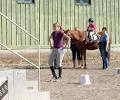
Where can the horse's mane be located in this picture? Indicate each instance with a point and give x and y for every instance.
(75, 34)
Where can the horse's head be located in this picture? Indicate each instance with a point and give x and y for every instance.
(67, 32)
(100, 33)
(110, 38)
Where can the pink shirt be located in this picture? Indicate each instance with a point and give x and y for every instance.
(91, 27)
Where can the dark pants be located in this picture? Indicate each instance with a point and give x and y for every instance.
(104, 54)
(75, 53)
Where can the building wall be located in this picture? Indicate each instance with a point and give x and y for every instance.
(38, 18)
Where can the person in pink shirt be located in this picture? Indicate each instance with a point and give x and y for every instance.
(92, 26)
(91, 31)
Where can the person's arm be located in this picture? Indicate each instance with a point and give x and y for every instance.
(107, 43)
(51, 41)
(66, 40)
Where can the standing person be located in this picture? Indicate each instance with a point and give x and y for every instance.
(57, 45)
(104, 48)
(75, 51)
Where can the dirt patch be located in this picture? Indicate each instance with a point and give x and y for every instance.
(8, 59)
(105, 86)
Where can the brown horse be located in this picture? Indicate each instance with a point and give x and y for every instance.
(79, 37)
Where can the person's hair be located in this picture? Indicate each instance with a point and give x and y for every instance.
(104, 28)
(57, 25)
(76, 28)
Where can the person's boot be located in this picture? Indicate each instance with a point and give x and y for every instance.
(74, 64)
(89, 36)
(53, 72)
(60, 72)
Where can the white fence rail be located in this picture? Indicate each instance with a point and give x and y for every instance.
(37, 40)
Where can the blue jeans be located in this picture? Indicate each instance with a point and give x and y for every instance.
(104, 55)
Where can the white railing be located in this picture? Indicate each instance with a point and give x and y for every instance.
(37, 40)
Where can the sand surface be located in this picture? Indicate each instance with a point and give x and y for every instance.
(105, 86)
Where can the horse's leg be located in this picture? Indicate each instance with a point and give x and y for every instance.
(79, 61)
(85, 60)
(82, 60)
